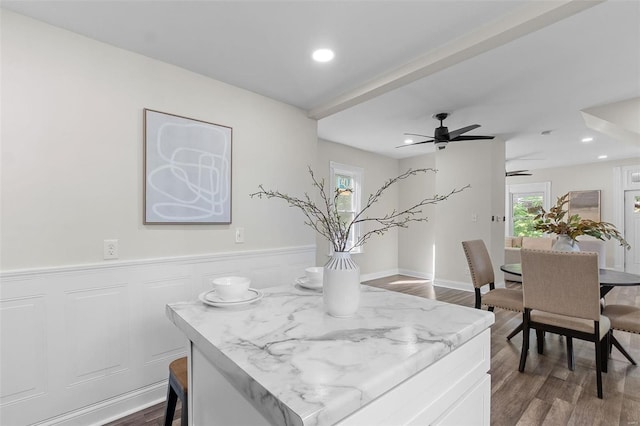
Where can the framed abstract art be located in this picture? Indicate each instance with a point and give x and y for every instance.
(187, 170)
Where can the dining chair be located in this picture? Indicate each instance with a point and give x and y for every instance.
(562, 295)
(178, 388)
(623, 318)
(481, 270)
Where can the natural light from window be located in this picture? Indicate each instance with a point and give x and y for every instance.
(520, 199)
(347, 181)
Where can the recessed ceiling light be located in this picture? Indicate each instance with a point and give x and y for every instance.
(588, 139)
(408, 141)
(323, 55)
(601, 157)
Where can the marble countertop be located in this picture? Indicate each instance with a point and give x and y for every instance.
(301, 366)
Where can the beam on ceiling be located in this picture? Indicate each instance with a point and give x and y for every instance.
(531, 17)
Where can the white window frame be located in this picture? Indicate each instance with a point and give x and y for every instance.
(357, 174)
(524, 188)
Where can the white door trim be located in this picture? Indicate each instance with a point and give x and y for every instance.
(622, 181)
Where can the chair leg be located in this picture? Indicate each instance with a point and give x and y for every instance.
(617, 344)
(170, 408)
(604, 348)
(599, 368)
(525, 347)
(540, 340)
(611, 341)
(517, 330)
(571, 361)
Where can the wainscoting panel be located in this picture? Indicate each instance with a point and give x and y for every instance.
(160, 338)
(96, 332)
(88, 344)
(23, 348)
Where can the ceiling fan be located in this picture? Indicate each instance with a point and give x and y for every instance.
(442, 136)
(518, 173)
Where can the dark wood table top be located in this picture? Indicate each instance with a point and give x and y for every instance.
(608, 277)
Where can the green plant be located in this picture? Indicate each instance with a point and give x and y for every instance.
(523, 223)
(325, 219)
(558, 221)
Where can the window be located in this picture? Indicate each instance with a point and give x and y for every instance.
(520, 199)
(348, 181)
(521, 217)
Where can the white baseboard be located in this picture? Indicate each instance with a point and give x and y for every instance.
(376, 275)
(416, 274)
(112, 409)
(456, 285)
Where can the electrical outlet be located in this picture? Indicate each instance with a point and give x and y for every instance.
(239, 235)
(110, 249)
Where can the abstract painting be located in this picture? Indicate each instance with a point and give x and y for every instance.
(187, 170)
(586, 204)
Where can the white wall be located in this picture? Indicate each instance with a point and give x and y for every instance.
(84, 339)
(467, 216)
(380, 256)
(434, 249)
(72, 152)
(593, 176)
(416, 243)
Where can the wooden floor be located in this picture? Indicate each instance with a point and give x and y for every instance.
(547, 393)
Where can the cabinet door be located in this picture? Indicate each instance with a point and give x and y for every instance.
(473, 408)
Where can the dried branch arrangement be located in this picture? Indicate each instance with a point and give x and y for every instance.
(558, 221)
(325, 219)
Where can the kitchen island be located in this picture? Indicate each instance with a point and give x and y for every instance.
(283, 361)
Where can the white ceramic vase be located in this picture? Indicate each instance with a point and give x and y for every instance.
(565, 243)
(341, 286)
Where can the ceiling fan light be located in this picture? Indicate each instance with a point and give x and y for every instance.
(440, 144)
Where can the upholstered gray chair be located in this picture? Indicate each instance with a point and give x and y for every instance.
(623, 318)
(562, 296)
(481, 270)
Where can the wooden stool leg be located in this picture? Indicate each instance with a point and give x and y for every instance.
(185, 411)
(170, 409)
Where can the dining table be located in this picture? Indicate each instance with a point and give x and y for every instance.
(609, 278)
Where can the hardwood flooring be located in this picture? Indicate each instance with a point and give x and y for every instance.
(547, 393)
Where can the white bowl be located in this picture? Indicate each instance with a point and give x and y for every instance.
(231, 288)
(314, 274)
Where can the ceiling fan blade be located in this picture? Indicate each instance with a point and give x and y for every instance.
(518, 173)
(415, 143)
(470, 138)
(458, 132)
(416, 134)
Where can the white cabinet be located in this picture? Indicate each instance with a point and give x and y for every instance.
(455, 390)
(283, 361)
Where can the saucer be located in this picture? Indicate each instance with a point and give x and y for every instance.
(211, 298)
(304, 282)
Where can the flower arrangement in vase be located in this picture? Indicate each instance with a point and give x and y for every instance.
(323, 217)
(558, 221)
